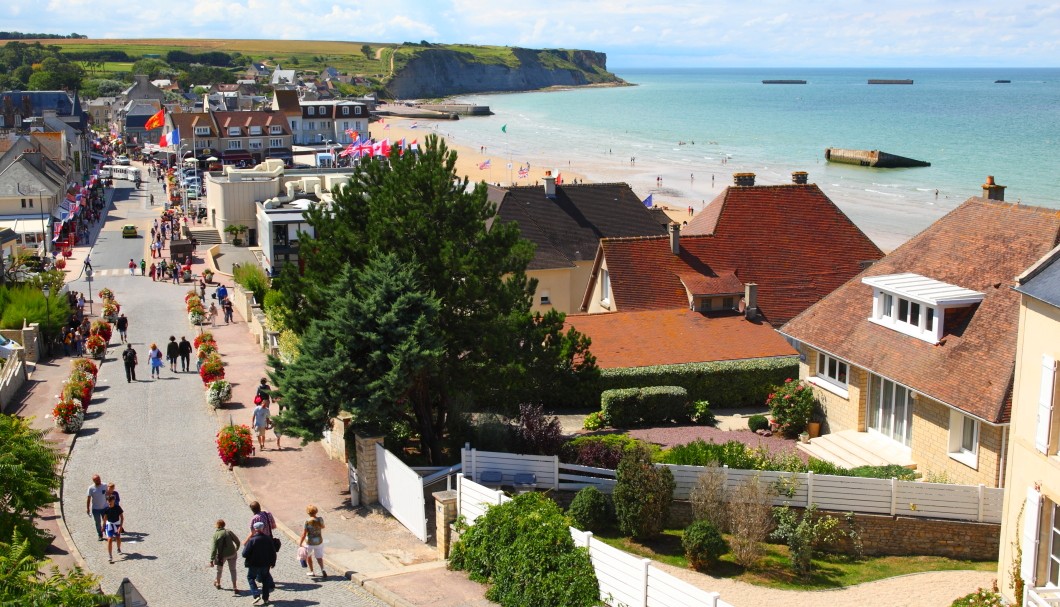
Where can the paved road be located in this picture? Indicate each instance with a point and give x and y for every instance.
(155, 440)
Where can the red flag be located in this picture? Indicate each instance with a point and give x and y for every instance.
(156, 121)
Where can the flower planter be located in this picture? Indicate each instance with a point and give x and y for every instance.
(218, 393)
(69, 415)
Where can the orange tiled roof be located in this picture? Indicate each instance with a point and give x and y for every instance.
(669, 337)
(699, 284)
(789, 239)
(981, 245)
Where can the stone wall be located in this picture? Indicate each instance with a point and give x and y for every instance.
(931, 446)
(12, 376)
(334, 442)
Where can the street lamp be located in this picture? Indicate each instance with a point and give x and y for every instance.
(47, 318)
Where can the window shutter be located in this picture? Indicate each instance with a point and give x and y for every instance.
(1031, 520)
(1045, 404)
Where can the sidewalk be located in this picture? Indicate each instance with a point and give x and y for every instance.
(365, 544)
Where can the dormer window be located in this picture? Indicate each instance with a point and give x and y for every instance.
(233, 131)
(276, 130)
(255, 130)
(917, 305)
(202, 130)
(311, 111)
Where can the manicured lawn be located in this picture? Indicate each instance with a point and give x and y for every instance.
(833, 571)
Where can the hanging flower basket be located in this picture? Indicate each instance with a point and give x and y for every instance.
(218, 393)
(85, 366)
(212, 369)
(103, 329)
(234, 444)
(96, 345)
(106, 294)
(69, 416)
(206, 337)
(196, 317)
(60, 264)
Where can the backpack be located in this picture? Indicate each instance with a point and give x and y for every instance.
(128, 356)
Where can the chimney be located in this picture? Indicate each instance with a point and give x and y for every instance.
(675, 238)
(992, 190)
(799, 177)
(550, 185)
(750, 300)
(744, 179)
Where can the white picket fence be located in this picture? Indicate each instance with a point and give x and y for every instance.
(842, 493)
(623, 578)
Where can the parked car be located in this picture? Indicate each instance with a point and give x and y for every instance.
(7, 347)
(122, 160)
(128, 231)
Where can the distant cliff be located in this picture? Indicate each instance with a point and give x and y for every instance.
(441, 71)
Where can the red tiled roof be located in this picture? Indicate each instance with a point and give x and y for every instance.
(981, 245)
(669, 337)
(698, 284)
(791, 240)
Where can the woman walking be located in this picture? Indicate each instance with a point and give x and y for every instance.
(225, 550)
(212, 314)
(172, 353)
(114, 521)
(154, 357)
(313, 539)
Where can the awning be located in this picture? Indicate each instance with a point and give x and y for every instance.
(280, 153)
(30, 224)
(236, 155)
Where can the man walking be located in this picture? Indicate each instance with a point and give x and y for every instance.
(260, 556)
(123, 326)
(184, 349)
(260, 421)
(172, 353)
(129, 357)
(96, 502)
(226, 306)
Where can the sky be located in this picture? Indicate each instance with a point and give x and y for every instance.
(670, 33)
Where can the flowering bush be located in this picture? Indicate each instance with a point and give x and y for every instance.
(110, 308)
(189, 295)
(96, 345)
(218, 392)
(212, 369)
(85, 366)
(196, 317)
(791, 406)
(234, 443)
(106, 294)
(193, 302)
(60, 264)
(206, 337)
(78, 387)
(69, 415)
(103, 329)
(206, 349)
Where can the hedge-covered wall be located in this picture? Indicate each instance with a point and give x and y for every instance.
(724, 384)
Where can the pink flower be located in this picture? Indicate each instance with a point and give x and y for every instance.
(787, 381)
(798, 388)
(787, 397)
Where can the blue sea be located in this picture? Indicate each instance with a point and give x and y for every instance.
(959, 120)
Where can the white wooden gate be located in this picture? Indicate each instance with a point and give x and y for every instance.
(401, 492)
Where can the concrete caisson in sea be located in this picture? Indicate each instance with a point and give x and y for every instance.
(871, 158)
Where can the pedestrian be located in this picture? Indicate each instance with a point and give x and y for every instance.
(79, 343)
(88, 262)
(154, 358)
(123, 326)
(113, 491)
(212, 314)
(222, 293)
(152, 272)
(172, 353)
(184, 348)
(96, 503)
(132, 268)
(202, 287)
(313, 539)
(225, 549)
(130, 360)
(176, 273)
(259, 556)
(113, 523)
(143, 266)
(264, 392)
(261, 421)
(228, 309)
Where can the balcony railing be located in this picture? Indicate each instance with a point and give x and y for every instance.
(1043, 597)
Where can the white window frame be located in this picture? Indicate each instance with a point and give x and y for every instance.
(275, 143)
(546, 298)
(964, 429)
(235, 144)
(886, 311)
(357, 110)
(276, 130)
(1052, 569)
(877, 407)
(255, 130)
(233, 131)
(1043, 436)
(605, 289)
(345, 110)
(311, 111)
(255, 144)
(202, 130)
(824, 380)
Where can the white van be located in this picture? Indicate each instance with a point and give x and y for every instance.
(120, 172)
(104, 172)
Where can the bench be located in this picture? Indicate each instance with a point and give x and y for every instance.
(525, 482)
(491, 478)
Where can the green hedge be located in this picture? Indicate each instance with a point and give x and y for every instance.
(630, 407)
(725, 384)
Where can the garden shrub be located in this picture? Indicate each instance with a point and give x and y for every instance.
(735, 454)
(708, 498)
(805, 534)
(538, 434)
(493, 433)
(703, 545)
(726, 384)
(642, 495)
(980, 598)
(750, 511)
(599, 451)
(702, 415)
(791, 406)
(252, 278)
(595, 421)
(524, 550)
(758, 422)
(632, 407)
(591, 510)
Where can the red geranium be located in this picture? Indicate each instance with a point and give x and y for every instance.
(212, 369)
(234, 443)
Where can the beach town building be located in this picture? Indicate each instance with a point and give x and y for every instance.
(565, 222)
(1031, 517)
(331, 122)
(142, 89)
(33, 180)
(19, 107)
(247, 137)
(101, 111)
(773, 249)
(912, 361)
(133, 117)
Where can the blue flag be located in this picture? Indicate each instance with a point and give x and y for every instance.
(647, 201)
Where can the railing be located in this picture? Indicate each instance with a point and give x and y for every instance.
(1043, 597)
(843, 493)
(623, 578)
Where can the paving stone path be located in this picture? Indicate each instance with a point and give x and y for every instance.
(155, 440)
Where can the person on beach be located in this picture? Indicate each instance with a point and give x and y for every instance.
(96, 503)
(184, 348)
(259, 554)
(261, 421)
(113, 523)
(129, 358)
(122, 325)
(313, 539)
(154, 358)
(225, 549)
(172, 353)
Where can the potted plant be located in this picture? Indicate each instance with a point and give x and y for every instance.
(202, 338)
(103, 329)
(790, 407)
(218, 392)
(206, 348)
(236, 230)
(212, 369)
(69, 415)
(60, 264)
(96, 345)
(207, 275)
(110, 310)
(85, 366)
(106, 294)
(234, 444)
(78, 388)
(804, 437)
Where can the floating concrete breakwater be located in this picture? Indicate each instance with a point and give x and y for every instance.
(871, 158)
(783, 82)
(888, 81)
